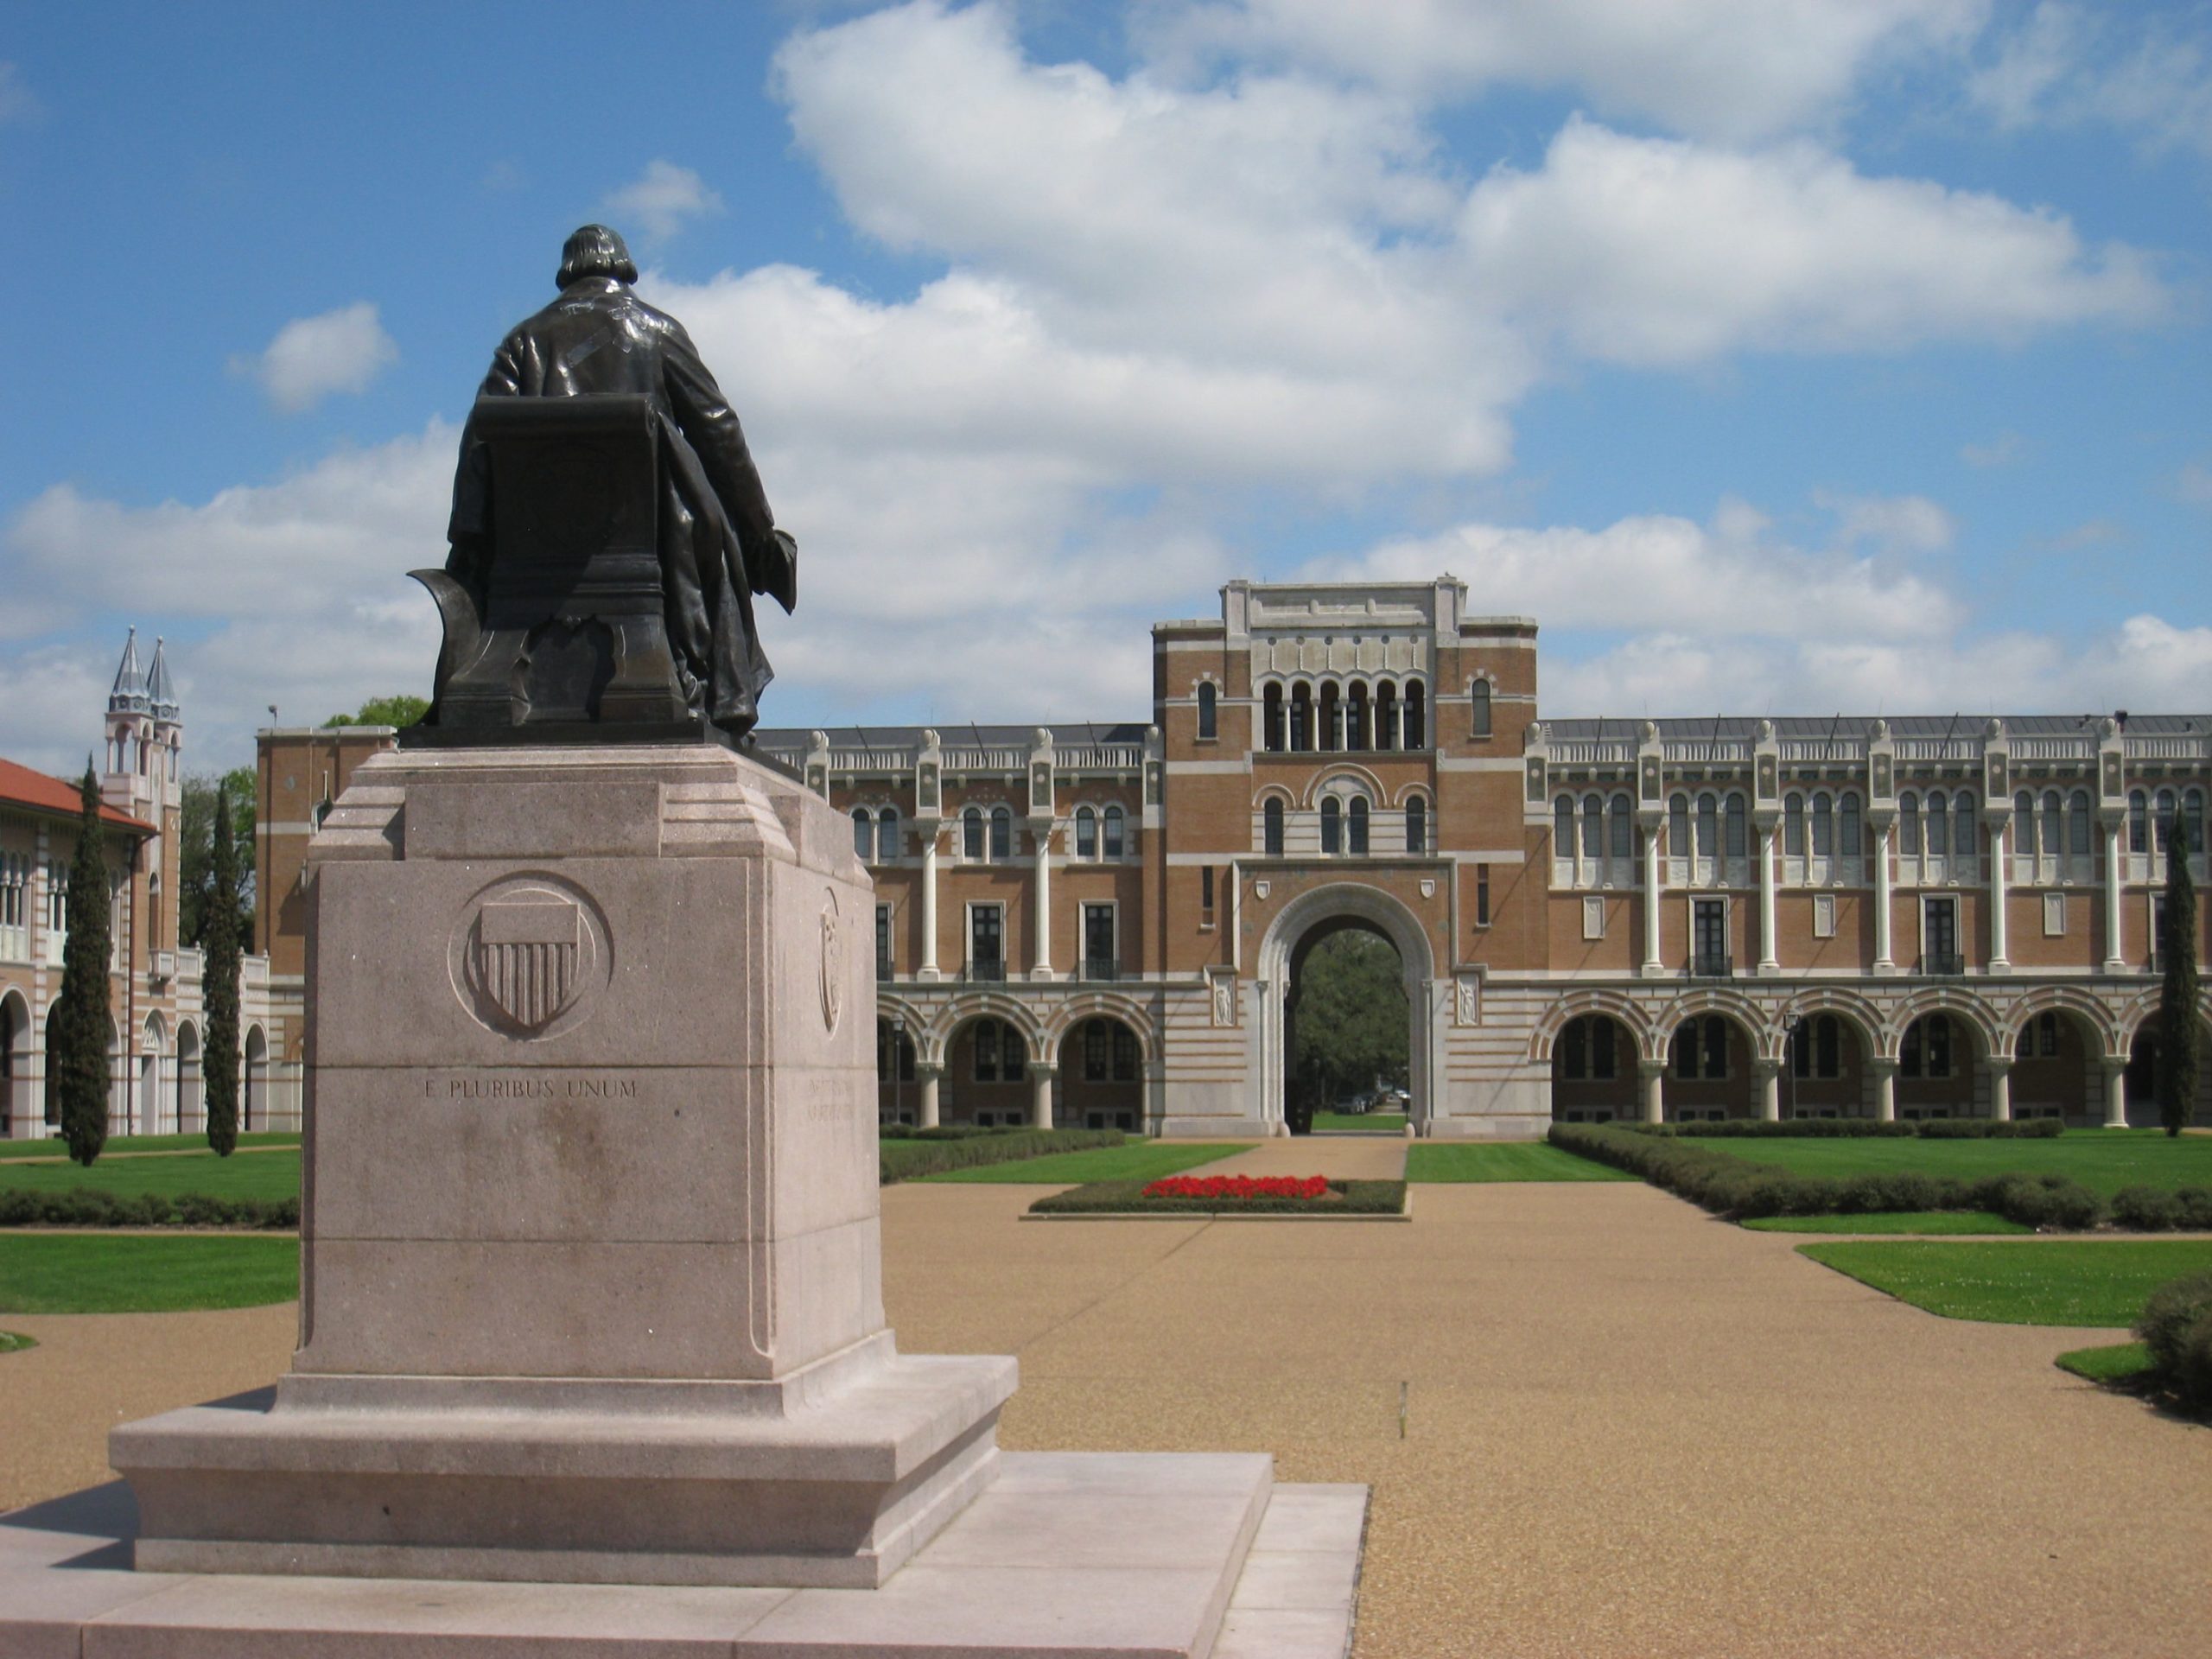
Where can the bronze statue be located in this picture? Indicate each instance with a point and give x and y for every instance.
(608, 532)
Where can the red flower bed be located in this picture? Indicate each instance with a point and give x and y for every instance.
(1239, 1186)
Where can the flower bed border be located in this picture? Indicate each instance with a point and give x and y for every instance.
(1125, 1201)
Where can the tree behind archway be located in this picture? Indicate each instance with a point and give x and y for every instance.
(1352, 1022)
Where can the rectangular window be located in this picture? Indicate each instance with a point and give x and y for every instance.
(1715, 1047)
(2158, 929)
(1205, 894)
(1099, 956)
(987, 1050)
(986, 939)
(1939, 936)
(1709, 936)
(1482, 895)
(1824, 915)
(1593, 919)
(883, 941)
(1125, 1054)
(2054, 915)
(1094, 1051)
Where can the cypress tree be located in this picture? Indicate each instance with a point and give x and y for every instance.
(77, 1052)
(219, 985)
(2180, 1031)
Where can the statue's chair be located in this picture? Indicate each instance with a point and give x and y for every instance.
(572, 635)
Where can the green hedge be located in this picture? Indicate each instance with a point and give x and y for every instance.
(1126, 1197)
(2162, 1209)
(2175, 1325)
(1857, 1128)
(932, 1152)
(1741, 1190)
(93, 1206)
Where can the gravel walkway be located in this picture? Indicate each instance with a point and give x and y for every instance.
(1633, 1430)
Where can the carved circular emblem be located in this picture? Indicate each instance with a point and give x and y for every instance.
(833, 964)
(530, 956)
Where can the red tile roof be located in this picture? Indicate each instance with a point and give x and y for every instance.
(21, 786)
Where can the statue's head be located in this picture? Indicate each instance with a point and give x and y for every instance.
(594, 251)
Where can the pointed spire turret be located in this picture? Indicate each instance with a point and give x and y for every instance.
(159, 691)
(128, 694)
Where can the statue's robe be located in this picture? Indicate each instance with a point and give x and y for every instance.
(719, 544)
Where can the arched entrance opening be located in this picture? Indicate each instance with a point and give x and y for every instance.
(1937, 1062)
(153, 1041)
(898, 1094)
(1593, 1070)
(254, 1113)
(987, 1081)
(2143, 1077)
(1102, 1076)
(1709, 1073)
(2055, 1070)
(190, 1084)
(1307, 924)
(15, 1064)
(119, 1080)
(1825, 1073)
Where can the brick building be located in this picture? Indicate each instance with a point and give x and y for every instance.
(1105, 924)
(156, 1019)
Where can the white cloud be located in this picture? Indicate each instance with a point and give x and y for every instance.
(2006, 449)
(1723, 68)
(662, 198)
(19, 105)
(1890, 524)
(1654, 251)
(2066, 66)
(313, 357)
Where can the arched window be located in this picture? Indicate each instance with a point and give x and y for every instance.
(1386, 715)
(2139, 821)
(1593, 828)
(887, 835)
(2024, 825)
(1416, 824)
(2054, 824)
(2077, 828)
(1301, 717)
(1271, 719)
(1113, 837)
(863, 834)
(2162, 813)
(1737, 842)
(1358, 827)
(1574, 1051)
(1709, 826)
(1563, 827)
(1086, 833)
(1332, 716)
(1847, 812)
(1333, 826)
(1965, 838)
(1416, 715)
(1623, 822)
(1479, 702)
(1908, 823)
(971, 832)
(1271, 827)
(2192, 816)
(1206, 694)
(1356, 735)
(1678, 826)
(1823, 826)
(1793, 826)
(1002, 832)
(1938, 827)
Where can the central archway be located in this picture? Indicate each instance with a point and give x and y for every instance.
(1302, 924)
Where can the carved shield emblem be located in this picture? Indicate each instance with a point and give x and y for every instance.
(833, 964)
(529, 954)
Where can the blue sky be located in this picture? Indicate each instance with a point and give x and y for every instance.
(1799, 355)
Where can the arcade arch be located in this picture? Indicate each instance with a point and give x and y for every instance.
(15, 1064)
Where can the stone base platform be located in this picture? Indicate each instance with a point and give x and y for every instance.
(1105, 1555)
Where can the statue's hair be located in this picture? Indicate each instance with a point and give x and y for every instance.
(594, 251)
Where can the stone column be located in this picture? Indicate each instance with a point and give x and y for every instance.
(1040, 1095)
(1770, 1076)
(2115, 1092)
(926, 1118)
(1652, 1075)
(928, 970)
(1884, 961)
(1769, 963)
(1886, 1090)
(2115, 958)
(1041, 831)
(1652, 889)
(2000, 1087)
(1997, 964)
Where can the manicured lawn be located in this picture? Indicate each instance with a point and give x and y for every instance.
(195, 1142)
(2104, 1161)
(266, 1175)
(2119, 1362)
(1135, 1160)
(133, 1273)
(1905, 1221)
(1511, 1160)
(2033, 1282)
(1362, 1122)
